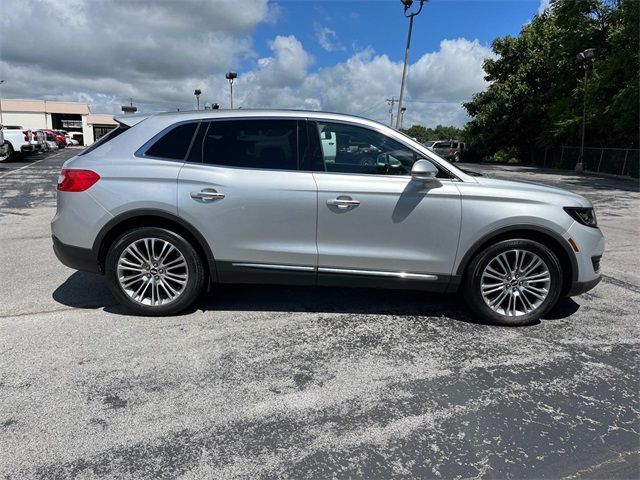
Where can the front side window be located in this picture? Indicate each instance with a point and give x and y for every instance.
(262, 144)
(173, 144)
(353, 149)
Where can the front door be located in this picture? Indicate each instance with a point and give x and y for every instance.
(374, 221)
(241, 187)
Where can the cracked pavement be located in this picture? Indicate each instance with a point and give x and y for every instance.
(282, 382)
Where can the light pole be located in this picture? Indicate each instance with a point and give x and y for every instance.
(197, 93)
(586, 58)
(402, 110)
(231, 76)
(407, 4)
(1, 82)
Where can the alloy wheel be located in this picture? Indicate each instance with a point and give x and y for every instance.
(515, 283)
(152, 271)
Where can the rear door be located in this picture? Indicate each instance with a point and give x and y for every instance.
(243, 189)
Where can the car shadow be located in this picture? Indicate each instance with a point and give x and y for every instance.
(89, 291)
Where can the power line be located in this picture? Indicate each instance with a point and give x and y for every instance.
(372, 107)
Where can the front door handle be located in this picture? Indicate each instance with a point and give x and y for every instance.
(343, 202)
(207, 194)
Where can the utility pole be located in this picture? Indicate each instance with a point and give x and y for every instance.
(407, 4)
(391, 101)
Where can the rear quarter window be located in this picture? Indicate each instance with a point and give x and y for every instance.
(104, 139)
(174, 144)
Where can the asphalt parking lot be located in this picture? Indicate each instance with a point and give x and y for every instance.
(277, 382)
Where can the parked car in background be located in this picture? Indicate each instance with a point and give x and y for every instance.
(251, 196)
(68, 138)
(18, 140)
(59, 138)
(453, 150)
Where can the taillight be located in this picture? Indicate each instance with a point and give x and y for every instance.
(74, 180)
(35, 136)
(25, 133)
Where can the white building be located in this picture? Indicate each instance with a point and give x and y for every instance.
(74, 117)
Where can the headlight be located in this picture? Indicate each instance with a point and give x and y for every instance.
(585, 216)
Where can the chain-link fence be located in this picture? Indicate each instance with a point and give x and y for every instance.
(616, 161)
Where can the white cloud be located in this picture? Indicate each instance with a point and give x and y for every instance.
(544, 5)
(451, 73)
(159, 52)
(437, 84)
(328, 39)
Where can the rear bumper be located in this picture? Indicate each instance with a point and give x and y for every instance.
(75, 257)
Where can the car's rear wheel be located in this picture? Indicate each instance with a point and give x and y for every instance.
(513, 282)
(154, 271)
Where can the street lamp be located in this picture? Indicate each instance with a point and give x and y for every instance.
(231, 76)
(407, 5)
(586, 58)
(402, 110)
(197, 92)
(1, 82)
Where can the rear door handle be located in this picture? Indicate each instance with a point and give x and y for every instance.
(343, 202)
(207, 195)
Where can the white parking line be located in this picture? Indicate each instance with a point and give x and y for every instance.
(27, 166)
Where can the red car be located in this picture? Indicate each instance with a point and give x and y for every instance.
(57, 137)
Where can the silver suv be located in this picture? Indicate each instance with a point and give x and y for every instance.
(167, 204)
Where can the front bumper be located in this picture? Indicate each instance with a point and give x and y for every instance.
(579, 288)
(590, 243)
(83, 259)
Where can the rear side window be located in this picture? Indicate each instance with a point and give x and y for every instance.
(263, 144)
(105, 138)
(174, 144)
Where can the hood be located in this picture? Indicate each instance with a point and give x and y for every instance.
(535, 191)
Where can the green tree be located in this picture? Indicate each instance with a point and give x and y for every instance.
(440, 132)
(536, 81)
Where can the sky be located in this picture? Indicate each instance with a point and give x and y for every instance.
(343, 56)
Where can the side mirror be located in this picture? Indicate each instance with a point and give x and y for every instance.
(423, 171)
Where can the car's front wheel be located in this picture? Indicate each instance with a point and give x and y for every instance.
(154, 271)
(513, 282)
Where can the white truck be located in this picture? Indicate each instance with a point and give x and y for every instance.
(16, 140)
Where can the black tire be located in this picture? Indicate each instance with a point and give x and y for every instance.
(456, 158)
(195, 271)
(10, 154)
(472, 283)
